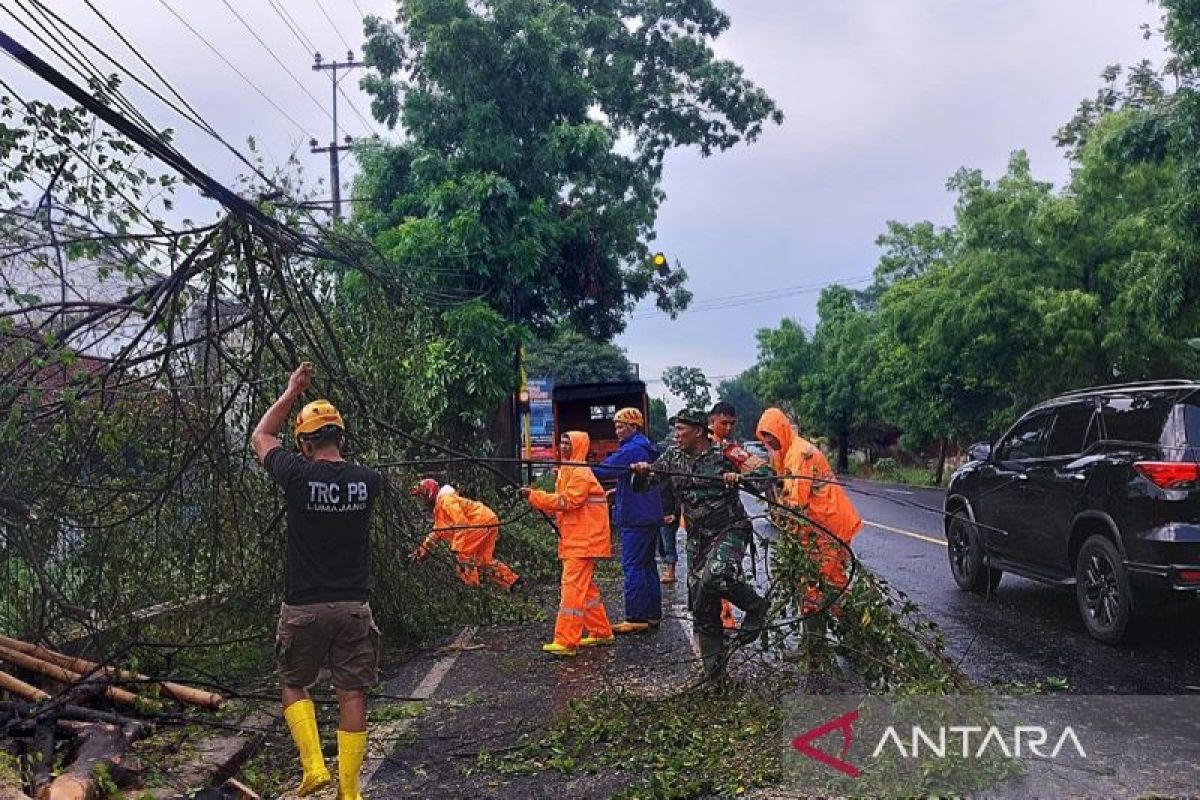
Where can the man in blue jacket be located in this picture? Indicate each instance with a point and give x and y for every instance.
(638, 516)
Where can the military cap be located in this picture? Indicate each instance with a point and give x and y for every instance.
(691, 416)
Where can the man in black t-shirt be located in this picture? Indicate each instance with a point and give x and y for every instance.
(325, 618)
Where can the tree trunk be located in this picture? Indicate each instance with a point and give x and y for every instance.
(843, 454)
(68, 677)
(184, 694)
(96, 743)
(20, 688)
(941, 465)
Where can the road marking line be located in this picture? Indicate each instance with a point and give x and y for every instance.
(903, 532)
(384, 735)
(898, 491)
(683, 617)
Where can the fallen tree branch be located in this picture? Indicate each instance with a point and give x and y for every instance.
(63, 675)
(69, 711)
(184, 694)
(20, 688)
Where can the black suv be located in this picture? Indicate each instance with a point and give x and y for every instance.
(1099, 489)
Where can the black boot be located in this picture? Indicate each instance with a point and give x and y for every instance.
(712, 654)
(756, 608)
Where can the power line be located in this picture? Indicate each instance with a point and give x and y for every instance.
(266, 226)
(141, 58)
(333, 25)
(190, 114)
(305, 43)
(195, 118)
(230, 64)
(70, 55)
(278, 61)
(359, 8)
(733, 301)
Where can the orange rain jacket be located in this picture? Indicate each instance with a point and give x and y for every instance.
(580, 504)
(462, 522)
(825, 503)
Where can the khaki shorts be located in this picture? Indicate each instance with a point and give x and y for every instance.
(342, 636)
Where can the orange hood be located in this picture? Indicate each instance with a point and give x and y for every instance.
(580, 442)
(776, 423)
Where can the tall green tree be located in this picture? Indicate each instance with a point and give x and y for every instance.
(690, 385)
(656, 426)
(570, 357)
(833, 396)
(740, 392)
(785, 356)
(535, 136)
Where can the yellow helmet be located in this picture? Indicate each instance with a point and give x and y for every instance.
(315, 416)
(630, 416)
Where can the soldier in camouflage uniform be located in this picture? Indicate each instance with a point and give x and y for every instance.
(705, 482)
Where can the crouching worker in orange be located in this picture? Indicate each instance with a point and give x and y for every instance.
(810, 486)
(582, 509)
(471, 528)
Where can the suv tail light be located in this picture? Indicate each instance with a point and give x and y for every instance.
(1170, 474)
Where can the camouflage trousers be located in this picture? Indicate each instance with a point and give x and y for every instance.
(715, 573)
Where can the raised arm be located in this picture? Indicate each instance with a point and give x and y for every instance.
(266, 434)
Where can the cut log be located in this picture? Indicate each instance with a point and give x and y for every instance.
(21, 689)
(39, 754)
(239, 790)
(96, 743)
(63, 675)
(68, 711)
(184, 694)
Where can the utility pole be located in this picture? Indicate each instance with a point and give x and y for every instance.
(334, 148)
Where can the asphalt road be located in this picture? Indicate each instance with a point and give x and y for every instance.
(1025, 632)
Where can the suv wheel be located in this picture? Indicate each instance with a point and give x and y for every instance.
(965, 549)
(1102, 590)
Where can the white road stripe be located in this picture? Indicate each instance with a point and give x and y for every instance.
(902, 532)
(898, 491)
(684, 618)
(384, 736)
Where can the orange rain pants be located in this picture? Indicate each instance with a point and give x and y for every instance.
(472, 529)
(580, 607)
(478, 561)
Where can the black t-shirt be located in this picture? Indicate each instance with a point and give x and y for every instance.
(328, 518)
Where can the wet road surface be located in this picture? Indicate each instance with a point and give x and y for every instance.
(1026, 632)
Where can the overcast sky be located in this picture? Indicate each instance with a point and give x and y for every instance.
(884, 99)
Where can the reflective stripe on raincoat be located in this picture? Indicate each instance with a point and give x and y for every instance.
(579, 502)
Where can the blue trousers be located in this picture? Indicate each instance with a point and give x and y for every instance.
(666, 544)
(643, 595)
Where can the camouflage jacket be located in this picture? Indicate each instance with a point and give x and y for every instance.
(709, 508)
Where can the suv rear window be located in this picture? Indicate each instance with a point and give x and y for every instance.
(1136, 419)
(1071, 425)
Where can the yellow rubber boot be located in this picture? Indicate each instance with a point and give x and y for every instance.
(352, 749)
(301, 717)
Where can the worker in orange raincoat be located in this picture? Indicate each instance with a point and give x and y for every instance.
(471, 528)
(579, 502)
(810, 486)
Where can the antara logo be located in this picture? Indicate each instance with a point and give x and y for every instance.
(1025, 739)
(968, 741)
(844, 723)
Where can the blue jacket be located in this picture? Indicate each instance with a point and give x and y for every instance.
(632, 509)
